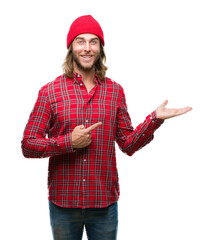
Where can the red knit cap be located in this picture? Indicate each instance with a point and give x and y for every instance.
(84, 24)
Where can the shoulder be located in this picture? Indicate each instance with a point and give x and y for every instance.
(54, 89)
(111, 84)
(54, 84)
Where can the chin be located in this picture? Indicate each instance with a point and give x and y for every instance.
(84, 66)
(87, 67)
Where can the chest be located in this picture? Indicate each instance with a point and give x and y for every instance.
(76, 105)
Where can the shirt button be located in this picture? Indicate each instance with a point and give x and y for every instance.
(78, 75)
(87, 121)
(84, 180)
(81, 84)
(85, 160)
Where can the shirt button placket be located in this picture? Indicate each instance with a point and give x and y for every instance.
(84, 186)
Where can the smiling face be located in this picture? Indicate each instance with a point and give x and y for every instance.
(86, 52)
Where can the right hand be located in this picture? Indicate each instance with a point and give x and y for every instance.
(81, 136)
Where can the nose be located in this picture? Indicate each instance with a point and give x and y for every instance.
(87, 47)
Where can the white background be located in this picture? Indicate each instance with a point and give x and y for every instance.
(156, 50)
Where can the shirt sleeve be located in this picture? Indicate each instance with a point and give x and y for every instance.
(34, 142)
(129, 139)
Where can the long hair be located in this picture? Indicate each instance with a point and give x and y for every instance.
(100, 68)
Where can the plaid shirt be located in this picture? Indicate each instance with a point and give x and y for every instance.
(86, 177)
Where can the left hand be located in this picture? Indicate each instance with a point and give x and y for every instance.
(164, 113)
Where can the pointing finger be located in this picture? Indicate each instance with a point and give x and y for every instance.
(92, 127)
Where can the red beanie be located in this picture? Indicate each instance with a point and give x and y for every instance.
(84, 24)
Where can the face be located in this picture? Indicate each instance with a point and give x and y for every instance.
(86, 51)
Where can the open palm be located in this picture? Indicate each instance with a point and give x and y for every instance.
(164, 113)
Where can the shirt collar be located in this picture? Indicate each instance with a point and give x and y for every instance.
(77, 78)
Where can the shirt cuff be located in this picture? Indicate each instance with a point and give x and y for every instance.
(152, 123)
(65, 143)
(154, 118)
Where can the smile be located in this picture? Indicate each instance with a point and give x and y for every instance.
(87, 56)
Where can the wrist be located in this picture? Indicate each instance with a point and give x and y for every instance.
(157, 115)
(72, 143)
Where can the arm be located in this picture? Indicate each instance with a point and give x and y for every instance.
(130, 140)
(34, 143)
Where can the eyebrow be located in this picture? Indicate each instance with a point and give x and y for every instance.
(81, 38)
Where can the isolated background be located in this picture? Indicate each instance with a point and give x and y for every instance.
(157, 50)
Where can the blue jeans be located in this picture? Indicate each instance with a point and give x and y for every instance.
(68, 223)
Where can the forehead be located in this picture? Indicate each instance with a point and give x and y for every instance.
(87, 36)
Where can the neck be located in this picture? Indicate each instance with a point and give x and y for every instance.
(87, 76)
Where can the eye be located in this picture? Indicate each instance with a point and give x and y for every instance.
(94, 42)
(80, 42)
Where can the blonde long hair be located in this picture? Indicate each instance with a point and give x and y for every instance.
(100, 68)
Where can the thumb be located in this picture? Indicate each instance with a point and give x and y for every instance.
(81, 127)
(164, 103)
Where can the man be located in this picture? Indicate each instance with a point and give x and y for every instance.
(84, 113)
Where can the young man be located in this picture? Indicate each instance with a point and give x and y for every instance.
(84, 113)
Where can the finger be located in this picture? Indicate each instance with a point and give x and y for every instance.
(88, 142)
(183, 110)
(88, 136)
(92, 127)
(164, 103)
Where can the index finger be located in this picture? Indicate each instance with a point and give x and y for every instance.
(92, 127)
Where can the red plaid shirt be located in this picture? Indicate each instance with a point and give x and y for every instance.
(86, 177)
